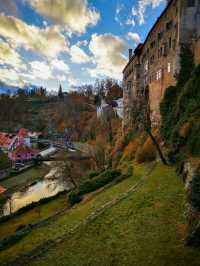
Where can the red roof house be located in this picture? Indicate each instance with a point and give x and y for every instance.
(22, 153)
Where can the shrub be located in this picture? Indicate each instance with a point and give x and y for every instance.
(180, 111)
(195, 190)
(4, 161)
(93, 174)
(74, 198)
(92, 185)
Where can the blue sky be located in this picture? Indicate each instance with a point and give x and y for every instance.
(74, 42)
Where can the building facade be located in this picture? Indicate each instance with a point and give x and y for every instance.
(154, 64)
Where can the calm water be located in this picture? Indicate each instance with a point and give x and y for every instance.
(51, 185)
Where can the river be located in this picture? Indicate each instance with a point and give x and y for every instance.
(53, 183)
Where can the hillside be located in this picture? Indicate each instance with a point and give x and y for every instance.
(144, 225)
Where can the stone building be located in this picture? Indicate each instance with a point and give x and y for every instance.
(153, 65)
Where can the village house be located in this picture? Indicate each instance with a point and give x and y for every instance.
(154, 64)
(18, 146)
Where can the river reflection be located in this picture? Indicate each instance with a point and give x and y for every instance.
(51, 185)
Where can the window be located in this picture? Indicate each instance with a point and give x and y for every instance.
(160, 35)
(146, 66)
(168, 67)
(190, 3)
(169, 25)
(170, 42)
(153, 44)
(159, 74)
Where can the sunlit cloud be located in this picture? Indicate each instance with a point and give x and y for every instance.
(107, 50)
(47, 41)
(74, 15)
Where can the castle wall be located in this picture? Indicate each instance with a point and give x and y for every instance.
(158, 63)
(160, 59)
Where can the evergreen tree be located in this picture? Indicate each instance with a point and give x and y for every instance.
(60, 92)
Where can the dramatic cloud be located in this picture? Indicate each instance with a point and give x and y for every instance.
(8, 56)
(135, 37)
(11, 77)
(60, 65)
(47, 41)
(78, 55)
(107, 51)
(142, 6)
(73, 82)
(75, 15)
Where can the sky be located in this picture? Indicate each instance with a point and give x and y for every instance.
(72, 42)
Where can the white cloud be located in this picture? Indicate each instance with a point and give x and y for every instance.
(118, 11)
(61, 78)
(141, 8)
(47, 41)
(107, 50)
(78, 55)
(60, 65)
(40, 70)
(73, 81)
(130, 21)
(75, 15)
(135, 37)
(10, 57)
(11, 77)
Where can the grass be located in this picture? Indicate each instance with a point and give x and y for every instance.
(31, 174)
(147, 228)
(69, 219)
(35, 215)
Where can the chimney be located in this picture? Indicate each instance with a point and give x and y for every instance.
(130, 53)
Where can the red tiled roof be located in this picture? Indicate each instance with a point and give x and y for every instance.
(23, 132)
(5, 139)
(2, 189)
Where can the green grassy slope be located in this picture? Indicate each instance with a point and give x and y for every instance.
(145, 228)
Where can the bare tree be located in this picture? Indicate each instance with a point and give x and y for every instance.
(141, 118)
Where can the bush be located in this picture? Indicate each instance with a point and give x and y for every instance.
(195, 190)
(4, 161)
(180, 111)
(92, 185)
(74, 198)
(93, 174)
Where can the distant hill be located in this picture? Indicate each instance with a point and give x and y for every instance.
(11, 90)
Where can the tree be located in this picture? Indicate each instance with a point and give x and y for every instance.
(60, 92)
(141, 118)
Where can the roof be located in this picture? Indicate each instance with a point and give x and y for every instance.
(23, 149)
(2, 189)
(155, 24)
(22, 132)
(5, 139)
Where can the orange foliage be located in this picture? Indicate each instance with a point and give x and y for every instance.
(147, 152)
